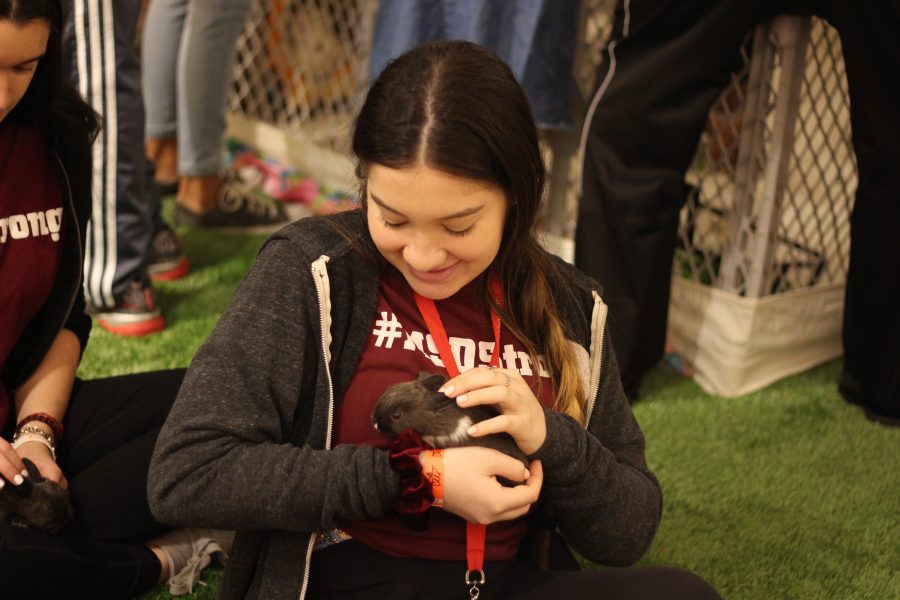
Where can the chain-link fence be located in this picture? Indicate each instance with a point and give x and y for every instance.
(300, 75)
(299, 63)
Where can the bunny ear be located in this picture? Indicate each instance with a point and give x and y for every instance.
(430, 382)
(34, 474)
(24, 488)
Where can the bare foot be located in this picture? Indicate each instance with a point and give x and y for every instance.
(163, 561)
(198, 194)
(164, 156)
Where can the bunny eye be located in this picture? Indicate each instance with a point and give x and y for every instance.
(396, 414)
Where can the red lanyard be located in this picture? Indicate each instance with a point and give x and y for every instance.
(436, 328)
(475, 533)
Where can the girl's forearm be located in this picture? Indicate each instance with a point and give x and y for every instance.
(48, 389)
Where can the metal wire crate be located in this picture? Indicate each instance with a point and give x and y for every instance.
(774, 177)
(758, 279)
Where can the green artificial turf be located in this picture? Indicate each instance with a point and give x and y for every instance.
(788, 492)
(785, 493)
(191, 306)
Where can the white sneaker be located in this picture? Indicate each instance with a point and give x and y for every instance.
(189, 551)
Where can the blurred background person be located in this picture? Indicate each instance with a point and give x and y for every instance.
(127, 241)
(188, 54)
(665, 65)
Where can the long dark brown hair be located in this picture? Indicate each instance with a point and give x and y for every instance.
(50, 102)
(456, 107)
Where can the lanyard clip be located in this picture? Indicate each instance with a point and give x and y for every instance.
(474, 578)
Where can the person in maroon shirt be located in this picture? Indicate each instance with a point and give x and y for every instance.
(441, 271)
(93, 438)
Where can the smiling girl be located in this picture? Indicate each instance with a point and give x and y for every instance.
(439, 271)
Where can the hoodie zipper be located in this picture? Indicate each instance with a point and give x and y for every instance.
(598, 333)
(323, 295)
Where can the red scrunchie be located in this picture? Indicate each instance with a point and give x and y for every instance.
(415, 491)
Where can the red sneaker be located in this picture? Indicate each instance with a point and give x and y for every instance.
(167, 260)
(137, 314)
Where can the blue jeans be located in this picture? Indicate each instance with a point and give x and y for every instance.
(536, 38)
(188, 53)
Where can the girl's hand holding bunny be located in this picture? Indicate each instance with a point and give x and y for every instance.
(472, 491)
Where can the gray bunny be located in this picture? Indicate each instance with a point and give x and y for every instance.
(438, 419)
(37, 503)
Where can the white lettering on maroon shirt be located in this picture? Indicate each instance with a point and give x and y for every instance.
(31, 225)
(468, 353)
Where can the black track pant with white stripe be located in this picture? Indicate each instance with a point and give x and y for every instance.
(99, 42)
(666, 64)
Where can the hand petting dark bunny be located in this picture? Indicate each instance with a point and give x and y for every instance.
(441, 422)
(37, 503)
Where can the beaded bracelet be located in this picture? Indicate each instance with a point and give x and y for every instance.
(46, 419)
(30, 433)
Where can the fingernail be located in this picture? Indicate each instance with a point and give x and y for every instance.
(2, 483)
(24, 472)
(18, 479)
(462, 399)
(471, 430)
(447, 389)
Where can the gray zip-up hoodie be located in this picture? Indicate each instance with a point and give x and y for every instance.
(248, 444)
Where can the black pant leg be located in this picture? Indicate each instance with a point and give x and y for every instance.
(111, 429)
(99, 49)
(377, 575)
(667, 63)
(870, 39)
(38, 565)
(658, 583)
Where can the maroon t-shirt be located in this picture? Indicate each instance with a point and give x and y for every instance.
(399, 347)
(31, 209)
